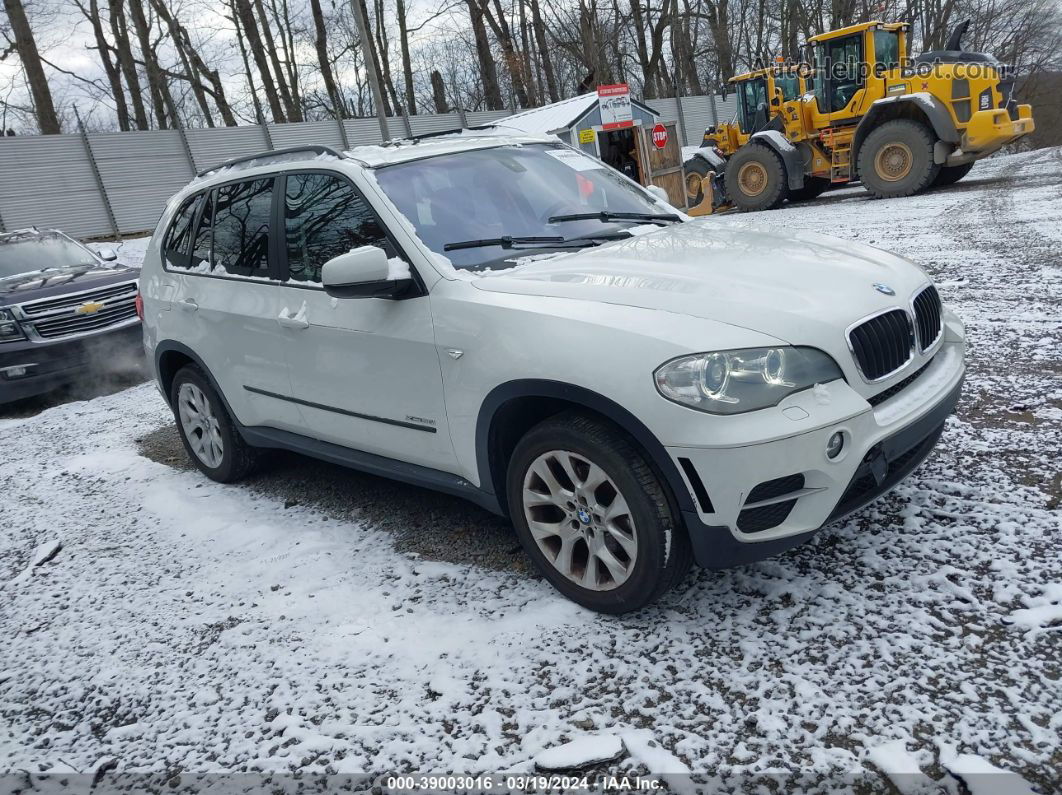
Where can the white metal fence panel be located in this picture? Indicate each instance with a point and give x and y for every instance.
(367, 131)
(726, 109)
(215, 145)
(481, 117)
(303, 133)
(440, 122)
(140, 171)
(47, 181)
(698, 114)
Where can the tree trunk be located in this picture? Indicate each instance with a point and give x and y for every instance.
(156, 80)
(504, 36)
(254, 42)
(321, 44)
(290, 112)
(124, 53)
(438, 90)
(110, 66)
(407, 64)
(488, 70)
(539, 28)
(26, 46)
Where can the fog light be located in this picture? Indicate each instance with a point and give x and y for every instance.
(16, 372)
(835, 445)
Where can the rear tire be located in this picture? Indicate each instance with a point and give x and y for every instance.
(597, 521)
(693, 171)
(813, 188)
(756, 179)
(896, 159)
(949, 175)
(207, 431)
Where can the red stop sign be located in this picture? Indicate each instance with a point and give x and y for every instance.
(660, 136)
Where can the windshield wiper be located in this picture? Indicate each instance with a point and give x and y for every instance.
(606, 216)
(505, 242)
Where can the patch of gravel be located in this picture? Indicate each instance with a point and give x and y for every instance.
(426, 523)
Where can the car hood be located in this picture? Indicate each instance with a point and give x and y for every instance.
(799, 287)
(56, 281)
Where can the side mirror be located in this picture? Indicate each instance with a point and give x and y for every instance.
(659, 193)
(107, 254)
(365, 273)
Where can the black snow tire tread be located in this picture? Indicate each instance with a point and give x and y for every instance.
(949, 175)
(571, 426)
(777, 189)
(919, 138)
(239, 459)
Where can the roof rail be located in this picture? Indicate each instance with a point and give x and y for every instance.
(438, 134)
(318, 148)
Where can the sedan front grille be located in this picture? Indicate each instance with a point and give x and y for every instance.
(81, 313)
(928, 317)
(883, 344)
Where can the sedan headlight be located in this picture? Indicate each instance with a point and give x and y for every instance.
(9, 328)
(732, 382)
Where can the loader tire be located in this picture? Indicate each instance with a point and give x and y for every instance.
(949, 175)
(694, 170)
(756, 179)
(813, 188)
(896, 159)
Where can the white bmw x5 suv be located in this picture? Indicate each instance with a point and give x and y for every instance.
(509, 320)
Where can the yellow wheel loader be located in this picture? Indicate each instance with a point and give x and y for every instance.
(896, 124)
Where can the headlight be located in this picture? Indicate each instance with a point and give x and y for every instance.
(732, 382)
(9, 328)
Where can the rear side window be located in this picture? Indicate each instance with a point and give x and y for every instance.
(176, 248)
(325, 216)
(241, 227)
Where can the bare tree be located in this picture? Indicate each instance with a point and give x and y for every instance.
(26, 46)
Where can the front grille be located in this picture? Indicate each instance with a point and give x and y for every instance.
(928, 317)
(65, 325)
(104, 294)
(895, 389)
(883, 344)
(776, 488)
(58, 317)
(755, 520)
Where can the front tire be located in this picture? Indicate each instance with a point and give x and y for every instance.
(207, 431)
(593, 516)
(756, 179)
(896, 159)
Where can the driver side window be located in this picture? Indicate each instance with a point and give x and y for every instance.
(844, 68)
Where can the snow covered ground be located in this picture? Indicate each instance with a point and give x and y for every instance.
(322, 621)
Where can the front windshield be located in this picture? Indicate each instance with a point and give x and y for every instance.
(510, 191)
(28, 254)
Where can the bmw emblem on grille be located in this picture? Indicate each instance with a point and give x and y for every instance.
(884, 289)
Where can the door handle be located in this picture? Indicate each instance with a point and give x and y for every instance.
(188, 304)
(296, 321)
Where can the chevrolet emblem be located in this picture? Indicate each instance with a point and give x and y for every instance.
(89, 308)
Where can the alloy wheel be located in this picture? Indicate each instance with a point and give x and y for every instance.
(580, 520)
(200, 426)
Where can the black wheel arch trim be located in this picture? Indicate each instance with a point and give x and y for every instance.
(929, 106)
(586, 398)
(791, 158)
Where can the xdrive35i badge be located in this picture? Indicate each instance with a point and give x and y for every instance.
(884, 289)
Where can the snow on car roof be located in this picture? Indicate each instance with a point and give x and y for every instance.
(403, 150)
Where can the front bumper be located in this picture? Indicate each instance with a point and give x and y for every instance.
(49, 365)
(883, 445)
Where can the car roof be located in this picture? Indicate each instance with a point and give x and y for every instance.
(366, 157)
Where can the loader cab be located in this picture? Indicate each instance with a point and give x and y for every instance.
(849, 66)
(760, 95)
